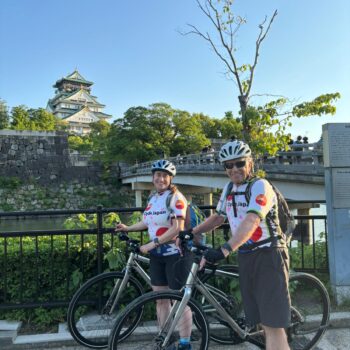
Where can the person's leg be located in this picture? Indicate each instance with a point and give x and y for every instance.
(177, 271)
(163, 306)
(159, 282)
(276, 338)
(273, 297)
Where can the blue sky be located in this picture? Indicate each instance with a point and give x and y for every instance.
(134, 54)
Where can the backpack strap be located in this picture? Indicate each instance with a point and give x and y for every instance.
(246, 193)
(168, 203)
(228, 191)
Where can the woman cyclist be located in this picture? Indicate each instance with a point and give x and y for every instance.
(164, 218)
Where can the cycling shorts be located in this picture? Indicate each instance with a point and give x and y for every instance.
(264, 275)
(171, 270)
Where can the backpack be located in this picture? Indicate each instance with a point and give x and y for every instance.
(285, 217)
(194, 217)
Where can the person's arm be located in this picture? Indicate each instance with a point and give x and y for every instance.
(209, 224)
(242, 234)
(171, 233)
(244, 231)
(140, 226)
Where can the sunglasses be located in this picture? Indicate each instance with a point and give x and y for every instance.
(240, 164)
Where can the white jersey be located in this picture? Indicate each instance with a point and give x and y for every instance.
(262, 201)
(158, 218)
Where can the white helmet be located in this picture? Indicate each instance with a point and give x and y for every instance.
(164, 165)
(233, 150)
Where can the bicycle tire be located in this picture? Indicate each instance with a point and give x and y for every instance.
(87, 321)
(310, 310)
(148, 334)
(226, 291)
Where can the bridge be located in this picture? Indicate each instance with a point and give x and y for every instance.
(299, 174)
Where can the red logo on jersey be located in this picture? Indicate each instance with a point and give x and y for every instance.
(179, 204)
(257, 234)
(229, 198)
(161, 230)
(261, 199)
(148, 207)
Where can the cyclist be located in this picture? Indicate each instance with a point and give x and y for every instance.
(163, 225)
(262, 256)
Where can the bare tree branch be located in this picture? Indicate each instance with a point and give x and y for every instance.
(260, 39)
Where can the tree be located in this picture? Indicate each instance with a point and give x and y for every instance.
(4, 115)
(20, 119)
(157, 131)
(42, 120)
(226, 25)
(24, 118)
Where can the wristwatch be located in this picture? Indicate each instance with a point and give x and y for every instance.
(156, 242)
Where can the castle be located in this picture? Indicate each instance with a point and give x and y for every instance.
(74, 103)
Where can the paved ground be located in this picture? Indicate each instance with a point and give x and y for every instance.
(337, 337)
(334, 339)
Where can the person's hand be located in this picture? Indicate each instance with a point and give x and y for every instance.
(214, 255)
(121, 227)
(144, 249)
(180, 240)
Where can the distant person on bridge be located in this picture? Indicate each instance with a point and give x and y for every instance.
(262, 254)
(167, 268)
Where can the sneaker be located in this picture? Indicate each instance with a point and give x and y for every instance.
(184, 347)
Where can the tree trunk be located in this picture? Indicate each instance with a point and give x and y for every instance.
(243, 102)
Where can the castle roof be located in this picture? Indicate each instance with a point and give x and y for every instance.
(74, 77)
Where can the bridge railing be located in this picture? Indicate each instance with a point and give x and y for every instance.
(301, 158)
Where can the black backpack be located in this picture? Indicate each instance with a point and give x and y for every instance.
(285, 217)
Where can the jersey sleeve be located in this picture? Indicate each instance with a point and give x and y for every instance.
(178, 205)
(261, 198)
(221, 207)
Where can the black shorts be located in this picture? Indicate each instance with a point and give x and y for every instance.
(263, 276)
(170, 270)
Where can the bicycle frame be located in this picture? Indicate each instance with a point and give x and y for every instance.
(131, 265)
(179, 307)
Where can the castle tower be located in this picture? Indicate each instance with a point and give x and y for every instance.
(74, 103)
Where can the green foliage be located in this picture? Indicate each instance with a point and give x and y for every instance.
(39, 119)
(149, 133)
(43, 276)
(4, 115)
(10, 183)
(319, 247)
(79, 143)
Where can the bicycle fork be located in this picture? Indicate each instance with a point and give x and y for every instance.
(120, 284)
(177, 309)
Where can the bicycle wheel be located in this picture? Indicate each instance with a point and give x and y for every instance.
(225, 289)
(89, 318)
(309, 313)
(149, 334)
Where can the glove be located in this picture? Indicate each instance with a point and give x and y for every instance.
(214, 255)
(186, 234)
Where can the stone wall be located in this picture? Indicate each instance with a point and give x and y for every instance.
(74, 195)
(37, 171)
(44, 158)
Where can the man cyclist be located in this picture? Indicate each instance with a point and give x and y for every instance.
(262, 255)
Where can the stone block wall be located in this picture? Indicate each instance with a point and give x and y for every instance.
(42, 157)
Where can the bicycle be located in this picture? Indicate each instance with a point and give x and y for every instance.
(309, 315)
(95, 305)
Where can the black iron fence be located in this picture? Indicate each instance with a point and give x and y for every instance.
(43, 268)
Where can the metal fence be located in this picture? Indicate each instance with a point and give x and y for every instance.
(69, 248)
